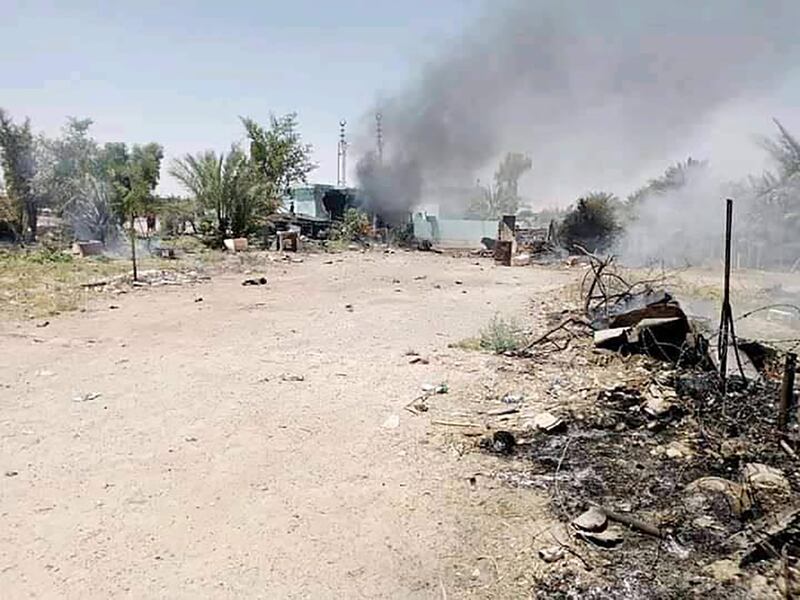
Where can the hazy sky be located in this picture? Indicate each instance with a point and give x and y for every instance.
(180, 73)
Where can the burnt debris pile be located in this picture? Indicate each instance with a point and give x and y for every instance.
(683, 478)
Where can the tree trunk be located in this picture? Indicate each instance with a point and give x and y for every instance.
(32, 214)
(133, 247)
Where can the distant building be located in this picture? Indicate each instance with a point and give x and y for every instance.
(320, 201)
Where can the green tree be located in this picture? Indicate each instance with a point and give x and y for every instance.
(278, 155)
(591, 223)
(133, 176)
(17, 149)
(675, 177)
(225, 184)
(502, 198)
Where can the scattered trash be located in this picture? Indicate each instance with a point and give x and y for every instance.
(290, 377)
(551, 554)
(392, 422)
(593, 519)
(505, 410)
(610, 537)
(259, 281)
(87, 397)
(418, 360)
(429, 388)
(547, 422)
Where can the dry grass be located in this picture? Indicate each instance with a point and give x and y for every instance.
(43, 283)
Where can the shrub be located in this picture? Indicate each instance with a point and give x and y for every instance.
(353, 227)
(501, 335)
(592, 223)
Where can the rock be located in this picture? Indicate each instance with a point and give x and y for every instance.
(608, 538)
(290, 377)
(391, 422)
(521, 260)
(678, 450)
(551, 554)
(593, 519)
(734, 494)
(545, 421)
(429, 388)
(657, 407)
(724, 570)
(512, 399)
(767, 486)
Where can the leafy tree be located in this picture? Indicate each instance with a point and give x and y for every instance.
(19, 170)
(133, 176)
(675, 177)
(785, 151)
(592, 223)
(491, 202)
(222, 183)
(278, 154)
(65, 162)
(513, 166)
(90, 210)
(502, 198)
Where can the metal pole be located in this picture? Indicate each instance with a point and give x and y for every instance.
(725, 318)
(787, 391)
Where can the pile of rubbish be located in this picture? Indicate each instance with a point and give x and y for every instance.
(678, 482)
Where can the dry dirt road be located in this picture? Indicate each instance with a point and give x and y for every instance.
(206, 469)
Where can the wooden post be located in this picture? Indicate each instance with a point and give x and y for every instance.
(787, 391)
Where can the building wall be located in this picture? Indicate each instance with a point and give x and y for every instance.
(454, 231)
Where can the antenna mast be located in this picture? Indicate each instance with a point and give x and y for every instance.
(379, 136)
(341, 179)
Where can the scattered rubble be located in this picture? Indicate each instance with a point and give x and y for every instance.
(259, 281)
(686, 475)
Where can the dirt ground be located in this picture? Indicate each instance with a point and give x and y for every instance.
(242, 445)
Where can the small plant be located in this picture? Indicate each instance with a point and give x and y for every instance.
(355, 226)
(502, 335)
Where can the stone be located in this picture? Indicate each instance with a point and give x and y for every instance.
(551, 554)
(733, 493)
(610, 537)
(767, 486)
(724, 570)
(593, 519)
(678, 450)
(657, 407)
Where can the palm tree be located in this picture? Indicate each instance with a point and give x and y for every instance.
(221, 183)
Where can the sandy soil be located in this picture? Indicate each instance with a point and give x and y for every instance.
(206, 470)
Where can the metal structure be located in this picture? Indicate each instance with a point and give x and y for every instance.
(341, 177)
(379, 136)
